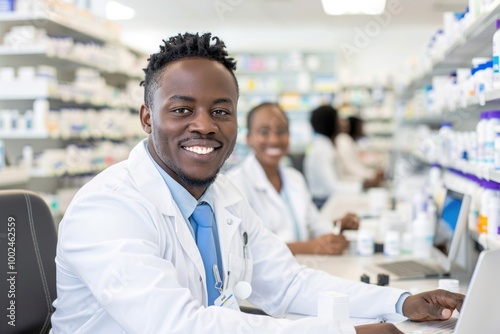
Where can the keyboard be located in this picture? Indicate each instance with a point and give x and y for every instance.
(431, 327)
(408, 268)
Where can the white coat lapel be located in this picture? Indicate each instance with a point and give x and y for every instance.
(227, 223)
(152, 186)
(295, 192)
(227, 226)
(262, 183)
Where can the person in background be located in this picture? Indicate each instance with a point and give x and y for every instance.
(350, 166)
(279, 194)
(321, 163)
(160, 243)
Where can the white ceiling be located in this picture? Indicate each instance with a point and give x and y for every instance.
(248, 24)
(285, 25)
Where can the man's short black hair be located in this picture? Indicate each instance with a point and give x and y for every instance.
(261, 105)
(324, 120)
(181, 47)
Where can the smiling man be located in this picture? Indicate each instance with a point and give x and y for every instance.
(160, 243)
(192, 121)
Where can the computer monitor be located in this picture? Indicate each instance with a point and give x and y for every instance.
(450, 227)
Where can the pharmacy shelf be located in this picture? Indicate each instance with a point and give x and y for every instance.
(44, 135)
(10, 176)
(495, 176)
(48, 91)
(61, 173)
(24, 135)
(486, 241)
(44, 56)
(378, 120)
(430, 120)
(292, 72)
(56, 23)
(476, 41)
(60, 18)
(379, 133)
(490, 175)
(259, 92)
(492, 101)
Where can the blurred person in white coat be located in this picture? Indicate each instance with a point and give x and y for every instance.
(351, 168)
(130, 257)
(321, 162)
(279, 194)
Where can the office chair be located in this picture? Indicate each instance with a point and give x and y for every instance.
(27, 258)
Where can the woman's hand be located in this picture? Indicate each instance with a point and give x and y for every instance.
(328, 244)
(348, 222)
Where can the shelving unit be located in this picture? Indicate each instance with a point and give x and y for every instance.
(74, 146)
(475, 41)
(46, 55)
(64, 19)
(11, 176)
(298, 81)
(484, 240)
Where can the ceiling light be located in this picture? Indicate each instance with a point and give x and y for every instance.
(117, 11)
(353, 7)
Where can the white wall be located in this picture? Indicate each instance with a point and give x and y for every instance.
(364, 59)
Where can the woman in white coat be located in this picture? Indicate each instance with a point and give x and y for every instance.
(279, 194)
(351, 167)
(321, 163)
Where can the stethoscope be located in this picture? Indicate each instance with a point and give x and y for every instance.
(243, 289)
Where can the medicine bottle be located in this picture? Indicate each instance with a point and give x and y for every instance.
(445, 134)
(392, 243)
(423, 236)
(475, 203)
(481, 139)
(365, 243)
(496, 56)
(493, 215)
(489, 139)
(490, 190)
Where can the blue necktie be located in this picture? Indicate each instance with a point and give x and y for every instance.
(203, 217)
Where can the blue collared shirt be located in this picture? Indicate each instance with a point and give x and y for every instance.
(187, 203)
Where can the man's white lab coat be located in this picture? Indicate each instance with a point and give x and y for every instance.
(127, 263)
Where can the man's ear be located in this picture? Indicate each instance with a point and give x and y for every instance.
(145, 115)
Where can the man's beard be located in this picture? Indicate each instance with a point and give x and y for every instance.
(198, 183)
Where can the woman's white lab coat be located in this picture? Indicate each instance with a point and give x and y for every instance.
(270, 206)
(321, 170)
(127, 263)
(351, 168)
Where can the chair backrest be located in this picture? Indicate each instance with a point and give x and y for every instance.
(27, 255)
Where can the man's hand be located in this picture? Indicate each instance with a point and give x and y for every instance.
(377, 329)
(432, 305)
